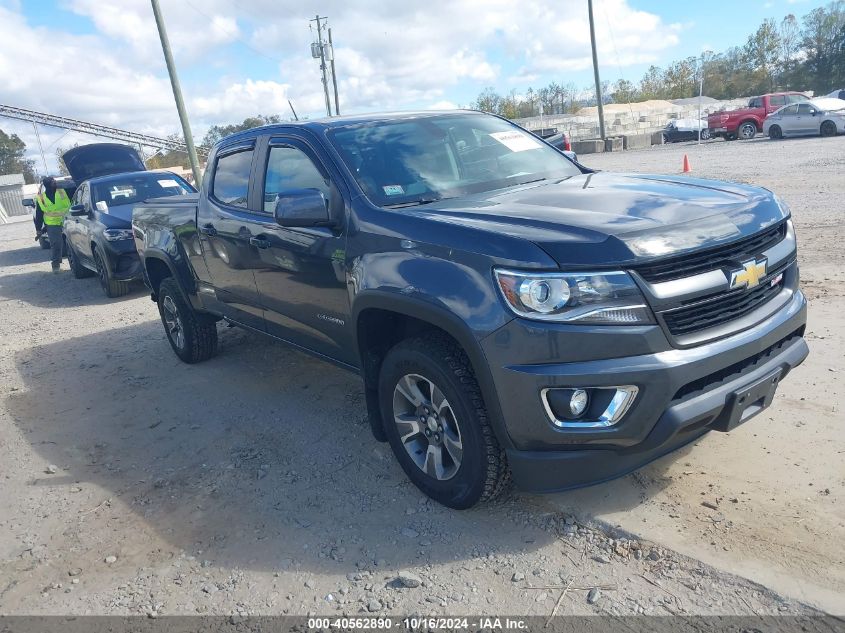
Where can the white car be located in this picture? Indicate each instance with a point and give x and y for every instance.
(825, 117)
(837, 94)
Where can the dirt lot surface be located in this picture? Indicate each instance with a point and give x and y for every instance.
(132, 483)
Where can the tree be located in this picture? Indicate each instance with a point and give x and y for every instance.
(762, 53)
(821, 44)
(13, 157)
(488, 101)
(790, 44)
(624, 92)
(217, 132)
(169, 158)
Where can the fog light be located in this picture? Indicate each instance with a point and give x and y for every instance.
(578, 403)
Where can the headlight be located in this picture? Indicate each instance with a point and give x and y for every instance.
(114, 235)
(607, 298)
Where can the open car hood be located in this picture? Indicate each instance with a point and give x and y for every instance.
(101, 159)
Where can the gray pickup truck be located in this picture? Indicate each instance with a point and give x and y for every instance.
(512, 314)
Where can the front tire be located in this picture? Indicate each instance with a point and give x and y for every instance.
(704, 135)
(437, 424)
(192, 336)
(112, 287)
(828, 128)
(747, 131)
(775, 133)
(79, 271)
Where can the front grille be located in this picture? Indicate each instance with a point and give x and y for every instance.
(731, 372)
(712, 258)
(722, 309)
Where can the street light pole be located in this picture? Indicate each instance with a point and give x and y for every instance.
(701, 91)
(177, 93)
(596, 68)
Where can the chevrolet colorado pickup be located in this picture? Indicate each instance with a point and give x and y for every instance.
(512, 313)
(744, 123)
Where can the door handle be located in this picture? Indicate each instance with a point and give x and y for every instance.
(208, 229)
(259, 242)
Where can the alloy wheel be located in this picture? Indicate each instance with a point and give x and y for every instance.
(428, 428)
(173, 322)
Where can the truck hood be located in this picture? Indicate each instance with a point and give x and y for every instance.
(101, 159)
(604, 218)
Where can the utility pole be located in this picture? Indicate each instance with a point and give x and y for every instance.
(334, 75)
(177, 93)
(322, 56)
(596, 68)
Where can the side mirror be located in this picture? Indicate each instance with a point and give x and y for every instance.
(78, 210)
(302, 207)
(28, 202)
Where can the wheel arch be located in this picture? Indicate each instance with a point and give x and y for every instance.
(382, 319)
(158, 266)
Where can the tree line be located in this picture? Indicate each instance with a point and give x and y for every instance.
(790, 54)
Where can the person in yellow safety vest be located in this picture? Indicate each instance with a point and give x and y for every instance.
(51, 206)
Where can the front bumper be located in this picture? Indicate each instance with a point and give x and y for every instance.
(683, 393)
(123, 260)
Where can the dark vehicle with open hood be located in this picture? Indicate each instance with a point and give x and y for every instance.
(98, 228)
(512, 314)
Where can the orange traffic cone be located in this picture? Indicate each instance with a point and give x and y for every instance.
(687, 168)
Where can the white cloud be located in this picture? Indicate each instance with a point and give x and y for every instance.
(413, 54)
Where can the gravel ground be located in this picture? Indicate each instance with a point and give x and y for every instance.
(132, 483)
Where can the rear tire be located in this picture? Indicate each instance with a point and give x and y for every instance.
(704, 134)
(747, 130)
(775, 133)
(193, 336)
(79, 271)
(828, 128)
(436, 372)
(112, 287)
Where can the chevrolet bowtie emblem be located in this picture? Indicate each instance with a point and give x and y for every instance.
(749, 275)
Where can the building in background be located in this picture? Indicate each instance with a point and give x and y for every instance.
(11, 194)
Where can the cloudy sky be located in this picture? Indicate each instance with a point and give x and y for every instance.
(100, 60)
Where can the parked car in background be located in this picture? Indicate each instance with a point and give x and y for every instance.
(98, 227)
(685, 130)
(825, 117)
(509, 311)
(746, 122)
(561, 142)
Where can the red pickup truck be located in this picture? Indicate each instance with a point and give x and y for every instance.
(746, 122)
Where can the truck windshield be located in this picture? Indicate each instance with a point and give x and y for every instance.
(137, 187)
(419, 160)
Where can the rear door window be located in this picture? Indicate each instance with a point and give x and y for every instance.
(790, 111)
(231, 178)
(805, 108)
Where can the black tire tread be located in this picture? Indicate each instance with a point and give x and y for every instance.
(498, 477)
(113, 288)
(202, 328)
(79, 271)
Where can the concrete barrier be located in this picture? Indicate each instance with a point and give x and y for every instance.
(614, 144)
(637, 141)
(590, 146)
(657, 138)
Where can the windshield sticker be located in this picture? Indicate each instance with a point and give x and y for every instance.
(168, 183)
(393, 190)
(515, 141)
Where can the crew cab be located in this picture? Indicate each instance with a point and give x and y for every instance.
(744, 123)
(512, 314)
(98, 227)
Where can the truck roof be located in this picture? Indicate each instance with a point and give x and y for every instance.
(325, 123)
